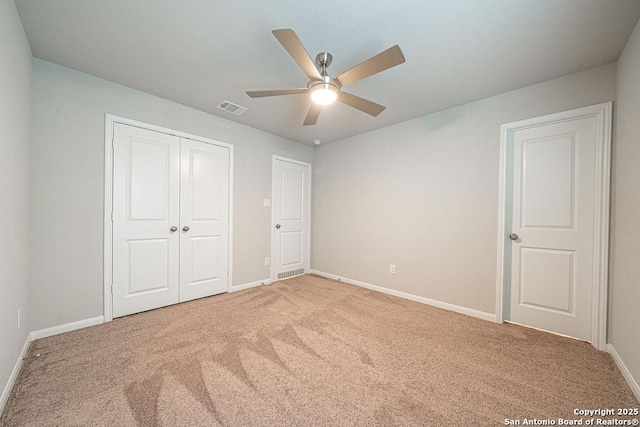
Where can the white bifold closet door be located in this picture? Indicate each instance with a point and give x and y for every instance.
(170, 219)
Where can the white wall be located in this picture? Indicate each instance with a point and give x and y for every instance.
(67, 176)
(624, 291)
(423, 194)
(15, 124)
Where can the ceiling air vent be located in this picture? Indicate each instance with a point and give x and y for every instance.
(232, 108)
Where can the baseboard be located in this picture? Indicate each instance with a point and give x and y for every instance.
(244, 286)
(67, 327)
(445, 305)
(14, 375)
(635, 388)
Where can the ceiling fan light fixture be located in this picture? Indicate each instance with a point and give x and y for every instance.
(324, 93)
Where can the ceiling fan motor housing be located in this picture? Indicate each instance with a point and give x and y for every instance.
(325, 82)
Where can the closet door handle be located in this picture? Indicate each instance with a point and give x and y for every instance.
(185, 228)
(173, 229)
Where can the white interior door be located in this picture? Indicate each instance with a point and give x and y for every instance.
(146, 176)
(554, 200)
(291, 204)
(204, 220)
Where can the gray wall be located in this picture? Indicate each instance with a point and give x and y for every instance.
(423, 194)
(15, 124)
(624, 291)
(67, 174)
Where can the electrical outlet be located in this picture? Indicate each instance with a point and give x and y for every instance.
(266, 203)
(392, 268)
(19, 316)
(267, 261)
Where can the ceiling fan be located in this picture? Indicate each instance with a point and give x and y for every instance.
(323, 88)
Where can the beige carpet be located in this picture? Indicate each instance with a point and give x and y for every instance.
(308, 351)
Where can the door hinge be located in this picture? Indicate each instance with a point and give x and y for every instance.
(111, 216)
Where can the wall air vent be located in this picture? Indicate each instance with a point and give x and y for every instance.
(232, 108)
(290, 273)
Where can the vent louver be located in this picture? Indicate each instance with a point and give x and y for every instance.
(290, 273)
(232, 108)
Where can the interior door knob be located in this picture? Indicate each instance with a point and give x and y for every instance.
(185, 228)
(173, 229)
(278, 226)
(514, 236)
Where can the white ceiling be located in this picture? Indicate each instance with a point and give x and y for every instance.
(201, 52)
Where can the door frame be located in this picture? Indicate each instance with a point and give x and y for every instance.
(602, 112)
(307, 263)
(110, 121)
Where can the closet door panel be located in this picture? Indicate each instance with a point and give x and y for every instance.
(204, 220)
(146, 171)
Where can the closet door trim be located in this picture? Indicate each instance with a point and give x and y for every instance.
(110, 121)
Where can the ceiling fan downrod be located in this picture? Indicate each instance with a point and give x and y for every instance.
(323, 59)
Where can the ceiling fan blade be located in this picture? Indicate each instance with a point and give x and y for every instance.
(361, 104)
(263, 93)
(382, 61)
(292, 44)
(312, 115)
